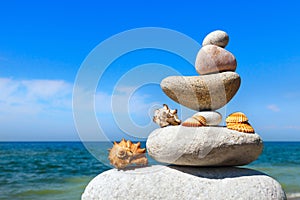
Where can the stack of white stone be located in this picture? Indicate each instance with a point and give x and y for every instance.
(193, 151)
(210, 145)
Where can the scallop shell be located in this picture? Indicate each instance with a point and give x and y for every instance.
(165, 116)
(195, 121)
(237, 117)
(126, 153)
(241, 127)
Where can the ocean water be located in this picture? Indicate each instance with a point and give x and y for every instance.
(61, 170)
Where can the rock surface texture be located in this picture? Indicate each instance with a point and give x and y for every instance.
(163, 182)
(203, 146)
(214, 59)
(207, 92)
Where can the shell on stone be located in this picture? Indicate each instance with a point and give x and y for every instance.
(237, 117)
(165, 116)
(195, 121)
(125, 153)
(213, 118)
(241, 127)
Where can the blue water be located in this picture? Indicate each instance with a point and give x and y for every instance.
(61, 170)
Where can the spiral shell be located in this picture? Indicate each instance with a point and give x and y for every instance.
(195, 121)
(241, 127)
(237, 117)
(126, 153)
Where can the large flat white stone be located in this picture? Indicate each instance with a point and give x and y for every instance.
(203, 146)
(188, 183)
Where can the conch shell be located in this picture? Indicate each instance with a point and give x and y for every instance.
(126, 153)
(241, 127)
(238, 121)
(165, 116)
(195, 121)
(237, 117)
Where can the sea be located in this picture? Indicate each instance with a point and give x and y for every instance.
(61, 170)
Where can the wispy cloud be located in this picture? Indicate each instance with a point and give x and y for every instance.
(34, 96)
(273, 107)
(42, 108)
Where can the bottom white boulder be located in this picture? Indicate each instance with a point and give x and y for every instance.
(175, 182)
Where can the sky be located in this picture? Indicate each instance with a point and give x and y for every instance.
(43, 46)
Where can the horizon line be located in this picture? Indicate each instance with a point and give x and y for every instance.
(6, 141)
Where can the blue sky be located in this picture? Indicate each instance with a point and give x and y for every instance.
(43, 44)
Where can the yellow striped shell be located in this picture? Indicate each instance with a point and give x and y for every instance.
(237, 117)
(241, 127)
(195, 121)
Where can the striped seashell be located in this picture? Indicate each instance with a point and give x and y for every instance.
(195, 121)
(200, 118)
(237, 117)
(241, 127)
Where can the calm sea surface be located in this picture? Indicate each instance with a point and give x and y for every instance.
(61, 170)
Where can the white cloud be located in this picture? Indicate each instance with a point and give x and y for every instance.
(33, 96)
(41, 109)
(36, 96)
(273, 107)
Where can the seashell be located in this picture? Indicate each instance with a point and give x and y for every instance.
(241, 127)
(195, 121)
(237, 117)
(125, 153)
(200, 118)
(165, 116)
(213, 118)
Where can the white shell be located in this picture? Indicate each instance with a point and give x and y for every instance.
(213, 118)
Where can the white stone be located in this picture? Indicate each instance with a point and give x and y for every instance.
(218, 38)
(213, 118)
(163, 182)
(203, 146)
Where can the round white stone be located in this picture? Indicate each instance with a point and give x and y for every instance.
(218, 38)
